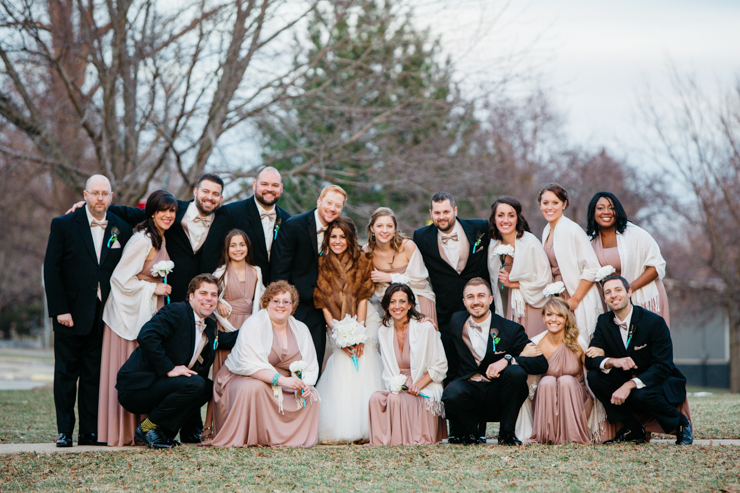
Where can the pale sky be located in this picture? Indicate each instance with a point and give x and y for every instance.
(594, 56)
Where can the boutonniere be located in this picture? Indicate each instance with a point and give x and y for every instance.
(630, 334)
(277, 228)
(496, 339)
(113, 236)
(478, 240)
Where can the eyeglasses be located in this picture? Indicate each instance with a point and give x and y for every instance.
(281, 302)
(105, 195)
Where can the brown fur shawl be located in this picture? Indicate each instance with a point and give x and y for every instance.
(343, 283)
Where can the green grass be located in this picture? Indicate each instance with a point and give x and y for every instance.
(28, 416)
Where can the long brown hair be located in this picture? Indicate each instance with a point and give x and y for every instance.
(398, 236)
(521, 223)
(350, 233)
(559, 307)
(224, 260)
(386, 302)
(560, 192)
(160, 200)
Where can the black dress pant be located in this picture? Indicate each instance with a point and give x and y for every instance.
(648, 399)
(316, 323)
(469, 403)
(77, 358)
(170, 402)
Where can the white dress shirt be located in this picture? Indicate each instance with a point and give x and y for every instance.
(200, 338)
(268, 226)
(452, 247)
(479, 339)
(319, 227)
(196, 229)
(97, 236)
(625, 334)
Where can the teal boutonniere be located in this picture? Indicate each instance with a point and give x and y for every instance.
(277, 228)
(478, 241)
(630, 334)
(113, 236)
(495, 338)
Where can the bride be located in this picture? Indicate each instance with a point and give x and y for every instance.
(343, 288)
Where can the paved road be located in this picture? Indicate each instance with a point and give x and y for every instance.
(24, 369)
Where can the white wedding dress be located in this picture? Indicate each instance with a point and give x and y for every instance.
(345, 392)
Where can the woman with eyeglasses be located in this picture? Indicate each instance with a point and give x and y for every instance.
(258, 399)
(343, 289)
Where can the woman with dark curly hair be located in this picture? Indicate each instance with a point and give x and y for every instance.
(631, 250)
(259, 397)
(135, 295)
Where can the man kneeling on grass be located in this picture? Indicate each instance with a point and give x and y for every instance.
(637, 375)
(166, 377)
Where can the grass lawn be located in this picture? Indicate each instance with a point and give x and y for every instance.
(28, 416)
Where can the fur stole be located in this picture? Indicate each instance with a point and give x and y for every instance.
(343, 283)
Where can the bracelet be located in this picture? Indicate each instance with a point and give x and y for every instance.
(275, 379)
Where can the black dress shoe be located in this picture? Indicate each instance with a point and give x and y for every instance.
(158, 440)
(89, 439)
(139, 437)
(472, 440)
(625, 435)
(454, 440)
(508, 438)
(64, 440)
(685, 435)
(191, 437)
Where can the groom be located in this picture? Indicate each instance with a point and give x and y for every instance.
(495, 358)
(637, 374)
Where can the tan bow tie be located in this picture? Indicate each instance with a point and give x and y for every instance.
(322, 230)
(475, 326)
(272, 215)
(205, 221)
(446, 238)
(200, 325)
(101, 224)
(621, 325)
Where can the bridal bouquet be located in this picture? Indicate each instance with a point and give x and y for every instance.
(161, 269)
(297, 368)
(605, 271)
(347, 333)
(554, 289)
(398, 384)
(502, 251)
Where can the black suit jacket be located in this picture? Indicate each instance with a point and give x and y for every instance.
(295, 255)
(242, 215)
(72, 271)
(446, 282)
(187, 262)
(167, 341)
(513, 339)
(650, 348)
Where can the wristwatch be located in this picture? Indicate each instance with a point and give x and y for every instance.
(508, 359)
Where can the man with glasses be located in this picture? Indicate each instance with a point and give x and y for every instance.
(83, 249)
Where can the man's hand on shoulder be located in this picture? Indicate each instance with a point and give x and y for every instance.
(76, 206)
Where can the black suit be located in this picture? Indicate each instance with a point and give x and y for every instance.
(652, 351)
(71, 277)
(187, 262)
(295, 258)
(447, 284)
(467, 402)
(166, 341)
(242, 215)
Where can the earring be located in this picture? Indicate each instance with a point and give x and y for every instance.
(373, 238)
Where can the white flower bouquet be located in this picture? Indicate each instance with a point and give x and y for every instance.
(554, 289)
(605, 271)
(502, 251)
(348, 333)
(161, 269)
(398, 385)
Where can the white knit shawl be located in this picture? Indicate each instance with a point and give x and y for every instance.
(577, 260)
(259, 288)
(427, 356)
(530, 268)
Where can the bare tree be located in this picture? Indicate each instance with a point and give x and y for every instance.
(697, 140)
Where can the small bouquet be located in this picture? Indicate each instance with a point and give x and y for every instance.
(161, 269)
(603, 272)
(348, 333)
(502, 251)
(398, 384)
(297, 368)
(554, 289)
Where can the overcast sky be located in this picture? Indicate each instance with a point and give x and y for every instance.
(594, 56)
